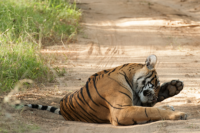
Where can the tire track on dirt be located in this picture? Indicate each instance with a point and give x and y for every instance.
(121, 32)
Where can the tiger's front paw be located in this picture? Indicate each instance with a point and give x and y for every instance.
(170, 89)
(178, 116)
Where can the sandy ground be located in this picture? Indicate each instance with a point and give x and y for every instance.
(124, 31)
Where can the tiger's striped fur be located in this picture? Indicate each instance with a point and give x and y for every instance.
(116, 96)
(124, 95)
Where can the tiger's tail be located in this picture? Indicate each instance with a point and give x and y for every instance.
(42, 107)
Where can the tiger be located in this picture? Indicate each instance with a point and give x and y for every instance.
(124, 95)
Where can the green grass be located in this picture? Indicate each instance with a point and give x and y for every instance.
(19, 61)
(35, 20)
(24, 27)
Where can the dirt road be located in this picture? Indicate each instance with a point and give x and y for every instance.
(124, 31)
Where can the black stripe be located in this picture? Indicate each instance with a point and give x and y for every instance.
(34, 106)
(80, 98)
(44, 107)
(153, 78)
(103, 97)
(124, 66)
(146, 112)
(88, 80)
(141, 89)
(70, 100)
(145, 81)
(53, 109)
(88, 92)
(126, 78)
(61, 100)
(131, 67)
(106, 71)
(66, 113)
(149, 76)
(112, 71)
(81, 91)
(128, 82)
(82, 95)
(151, 81)
(104, 106)
(134, 121)
(140, 77)
(83, 117)
(79, 115)
(74, 112)
(119, 123)
(146, 77)
(126, 95)
(84, 111)
(123, 105)
(149, 121)
(156, 82)
(95, 74)
(75, 91)
(85, 101)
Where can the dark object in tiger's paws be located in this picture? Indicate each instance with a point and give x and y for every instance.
(170, 89)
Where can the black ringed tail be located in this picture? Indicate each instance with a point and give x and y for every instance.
(42, 107)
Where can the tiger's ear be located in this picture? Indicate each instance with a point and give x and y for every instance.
(151, 62)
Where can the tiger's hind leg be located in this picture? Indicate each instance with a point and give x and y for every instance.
(170, 89)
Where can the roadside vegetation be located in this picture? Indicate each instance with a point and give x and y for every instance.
(25, 25)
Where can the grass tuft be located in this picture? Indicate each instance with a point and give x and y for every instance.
(24, 26)
(20, 62)
(35, 20)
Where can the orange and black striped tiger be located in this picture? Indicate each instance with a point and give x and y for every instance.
(124, 95)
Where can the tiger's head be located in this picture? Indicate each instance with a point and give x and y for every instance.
(148, 84)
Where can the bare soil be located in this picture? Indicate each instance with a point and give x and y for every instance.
(115, 32)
